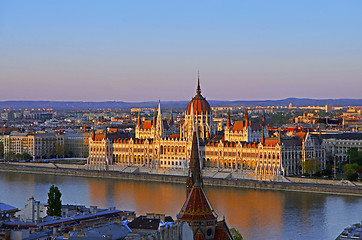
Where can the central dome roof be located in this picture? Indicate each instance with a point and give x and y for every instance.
(199, 103)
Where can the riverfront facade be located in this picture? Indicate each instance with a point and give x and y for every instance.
(244, 146)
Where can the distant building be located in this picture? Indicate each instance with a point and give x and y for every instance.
(338, 144)
(76, 144)
(7, 116)
(38, 145)
(329, 108)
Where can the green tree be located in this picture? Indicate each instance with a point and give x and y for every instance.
(311, 166)
(355, 156)
(1, 149)
(54, 202)
(350, 171)
(236, 234)
(18, 156)
(26, 156)
(59, 150)
(278, 119)
(10, 156)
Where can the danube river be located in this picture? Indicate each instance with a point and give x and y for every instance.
(257, 214)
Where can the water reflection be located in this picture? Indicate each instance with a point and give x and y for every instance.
(258, 214)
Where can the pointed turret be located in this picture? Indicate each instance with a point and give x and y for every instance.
(246, 118)
(105, 133)
(138, 119)
(159, 109)
(159, 124)
(228, 124)
(343, 123)
(93, 134)
(194, 166)
(197, 210)
(262, 139)
(171, 117)
(263, 119)
(279, 137)
(154, 117)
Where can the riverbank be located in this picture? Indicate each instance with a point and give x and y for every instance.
(293, 184)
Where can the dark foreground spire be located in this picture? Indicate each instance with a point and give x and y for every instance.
(194, 166)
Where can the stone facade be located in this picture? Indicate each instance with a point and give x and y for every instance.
(245, 146)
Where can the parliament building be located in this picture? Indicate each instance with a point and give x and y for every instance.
(244, 146)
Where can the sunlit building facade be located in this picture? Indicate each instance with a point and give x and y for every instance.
(245, 146)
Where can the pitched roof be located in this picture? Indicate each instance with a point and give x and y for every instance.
(301, 135)
(222, 231)
(147, 124)
(238, 126)
(197, 206)
(271, 142)
(174, 136)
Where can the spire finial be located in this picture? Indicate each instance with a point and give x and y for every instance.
(198, 90)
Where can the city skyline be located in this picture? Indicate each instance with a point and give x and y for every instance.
(142, 51)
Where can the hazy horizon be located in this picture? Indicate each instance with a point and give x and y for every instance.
(138, 51)
(181, 100)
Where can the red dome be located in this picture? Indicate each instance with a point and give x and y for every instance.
(199, 103)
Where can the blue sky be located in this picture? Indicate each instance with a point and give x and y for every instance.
(148, 50)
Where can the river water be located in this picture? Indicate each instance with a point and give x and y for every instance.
(257, 214)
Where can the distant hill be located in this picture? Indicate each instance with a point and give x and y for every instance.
(64, 105)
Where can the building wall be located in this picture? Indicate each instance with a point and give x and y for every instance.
(339, 147)
(40, 145)
(77, 144)
(33, 211)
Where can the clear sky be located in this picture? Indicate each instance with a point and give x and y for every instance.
(131, 50)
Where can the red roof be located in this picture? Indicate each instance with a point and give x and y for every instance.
(200, 105)
(272, 142)
(238, 126)
(147, 124)
(222, 231)
(301, 135)
(174, 136)
(112, 130)
(197, 206)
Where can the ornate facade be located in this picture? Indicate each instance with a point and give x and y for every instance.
(244, 147)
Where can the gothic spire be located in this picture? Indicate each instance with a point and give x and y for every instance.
(194, 174)
(262, 140)
(171, 117)
(279, 137)
(228, 124)
(198, 89)
(154, 117)
(138, 119)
